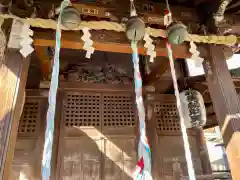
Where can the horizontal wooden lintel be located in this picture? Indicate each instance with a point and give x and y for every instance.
(108, 41)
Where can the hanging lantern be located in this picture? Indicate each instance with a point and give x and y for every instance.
(193, 108)
(176, 33)
(135, 29)
(70, 18)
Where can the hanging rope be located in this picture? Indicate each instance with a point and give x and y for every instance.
(47, 151)
(188, 156)
(187, 151)
(143, 169)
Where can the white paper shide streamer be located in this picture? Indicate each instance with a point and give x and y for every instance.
(150, 47)
(27, 41)
(20, 38)
(195, 54)
(87, 42)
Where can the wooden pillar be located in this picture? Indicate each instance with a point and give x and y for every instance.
(205, 161)
(151, 126)
(13, 75)
(226, 104)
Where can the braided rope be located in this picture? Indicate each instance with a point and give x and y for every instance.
(47, 151)
(113, 26)
(188, 156)
(143, 169)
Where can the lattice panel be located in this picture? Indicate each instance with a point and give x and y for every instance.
(82, 109)
(28, 121)
(167, 118)
(118, 110)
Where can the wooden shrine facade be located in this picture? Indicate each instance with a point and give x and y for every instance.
(95, 136)
(100, 103)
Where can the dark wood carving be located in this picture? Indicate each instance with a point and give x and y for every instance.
(104, 74)
(151, 13)
(215, 16)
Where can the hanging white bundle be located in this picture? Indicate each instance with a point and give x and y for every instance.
(193, 108)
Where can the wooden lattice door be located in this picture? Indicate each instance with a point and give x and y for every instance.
(171, 158)
(97, 136)
(27, 157)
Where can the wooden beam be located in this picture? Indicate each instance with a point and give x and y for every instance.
(157, 72)
(151, 13)
(204, 156)
(151, 126)
(161, 77)
(108, 41)
(13, 76)
(211, 121)
(37, 93)
(70, 86)
(163, 86)
(45, 60)
(226, 104)
(212, 14)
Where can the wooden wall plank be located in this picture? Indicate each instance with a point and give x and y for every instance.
(13, 75)
(226, 104)
(58, 140)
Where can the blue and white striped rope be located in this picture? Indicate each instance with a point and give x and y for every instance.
(143, 169)
(47, 151)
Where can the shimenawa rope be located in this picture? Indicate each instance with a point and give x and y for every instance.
(113, 26)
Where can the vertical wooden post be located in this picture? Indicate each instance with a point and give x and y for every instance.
(205, 161)
(151, 126)
(13, 75)
(226, 104)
